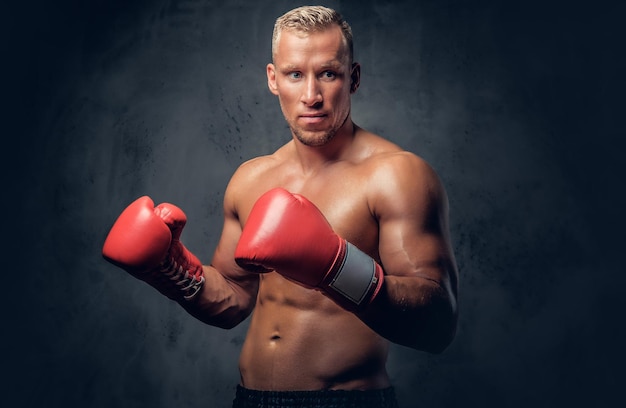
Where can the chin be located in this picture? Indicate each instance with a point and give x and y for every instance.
(313, 138)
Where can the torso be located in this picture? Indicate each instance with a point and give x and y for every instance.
(298, 338)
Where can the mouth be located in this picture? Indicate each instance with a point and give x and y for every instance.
(312, 118)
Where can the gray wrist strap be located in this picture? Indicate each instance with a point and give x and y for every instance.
(356, 276)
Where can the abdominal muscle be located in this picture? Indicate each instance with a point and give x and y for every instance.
(299, 339)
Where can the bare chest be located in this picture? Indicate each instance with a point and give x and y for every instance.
(341, 193)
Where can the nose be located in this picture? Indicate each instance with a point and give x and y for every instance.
(312, 94)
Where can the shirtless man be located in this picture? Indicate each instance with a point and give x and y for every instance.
(337, 243)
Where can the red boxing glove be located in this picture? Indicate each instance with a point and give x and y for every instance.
(144, 241)
(285, 232)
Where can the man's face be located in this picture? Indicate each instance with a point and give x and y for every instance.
(313, 79)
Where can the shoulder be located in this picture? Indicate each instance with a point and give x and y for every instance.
(250, 177)
(249, 170)
(403, 166)
(401, 183)
(390, 166)
(386, 160)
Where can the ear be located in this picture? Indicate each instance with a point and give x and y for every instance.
(355, 77)
(271, 78)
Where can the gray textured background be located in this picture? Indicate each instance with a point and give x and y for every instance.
(517, 105)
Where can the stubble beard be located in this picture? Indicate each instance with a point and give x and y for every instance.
(316, 138)
(313, 139)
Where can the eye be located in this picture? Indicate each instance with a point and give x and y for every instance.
(294, 75)
(328, 75)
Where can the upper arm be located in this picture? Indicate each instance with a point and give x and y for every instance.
(411, 207)
(240, 195)
(223, 257)
(230, 293)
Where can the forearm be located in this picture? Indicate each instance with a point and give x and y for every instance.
(223, 302)
(413, 312)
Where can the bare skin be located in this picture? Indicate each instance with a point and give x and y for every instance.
(387, 202)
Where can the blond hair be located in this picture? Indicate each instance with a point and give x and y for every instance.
(309, 19)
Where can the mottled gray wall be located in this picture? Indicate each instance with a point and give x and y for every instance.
(517, 106)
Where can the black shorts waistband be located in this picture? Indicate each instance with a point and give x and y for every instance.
(382, 398)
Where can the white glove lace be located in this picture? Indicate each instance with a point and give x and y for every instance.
(188, 283)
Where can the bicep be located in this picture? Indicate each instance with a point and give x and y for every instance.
(412, 213)
(224, 256)
(223, 262)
